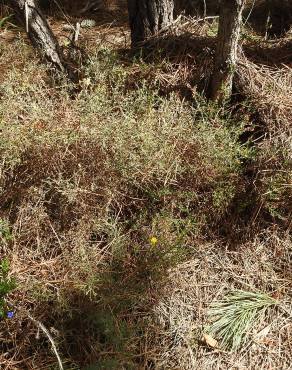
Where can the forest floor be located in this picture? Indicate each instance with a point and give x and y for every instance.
(145, 227)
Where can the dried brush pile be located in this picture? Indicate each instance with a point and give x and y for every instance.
(269, 90)
(181, 58)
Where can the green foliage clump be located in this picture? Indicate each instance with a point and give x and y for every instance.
(4, 20)
(5, 232)
(7, 285)
(278, 194)
(235, 315)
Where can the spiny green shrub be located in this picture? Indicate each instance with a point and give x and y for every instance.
(7, 285)
(5, 231)
(91, 181)
(112, 168)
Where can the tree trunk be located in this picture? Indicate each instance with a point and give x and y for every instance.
(227, 48)
(39, 31)
(148, 17)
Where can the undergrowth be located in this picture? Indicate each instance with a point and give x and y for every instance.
(104, 194)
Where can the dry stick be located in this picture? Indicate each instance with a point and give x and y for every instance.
(46, 332)
(26, 16)
(63, 12)
(205, 9)
(205, 18)
(249, 14)
(76, 33)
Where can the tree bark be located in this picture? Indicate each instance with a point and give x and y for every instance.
(148, 17)
(39, 31)
(227, 48)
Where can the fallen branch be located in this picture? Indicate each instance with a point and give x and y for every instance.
(47, 333)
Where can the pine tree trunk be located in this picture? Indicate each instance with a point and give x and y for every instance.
(39, 31)
(227, 48)
(148, 17)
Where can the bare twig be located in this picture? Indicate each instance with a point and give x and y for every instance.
(47, 333)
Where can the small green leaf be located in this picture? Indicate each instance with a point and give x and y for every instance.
(4, 20)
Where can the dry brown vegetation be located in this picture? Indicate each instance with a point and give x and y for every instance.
(87, 181)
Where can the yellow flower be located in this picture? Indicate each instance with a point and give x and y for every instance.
(153, 241)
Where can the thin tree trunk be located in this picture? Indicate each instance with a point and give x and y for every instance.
(227, 48)
(39, 32)
(148, 17)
